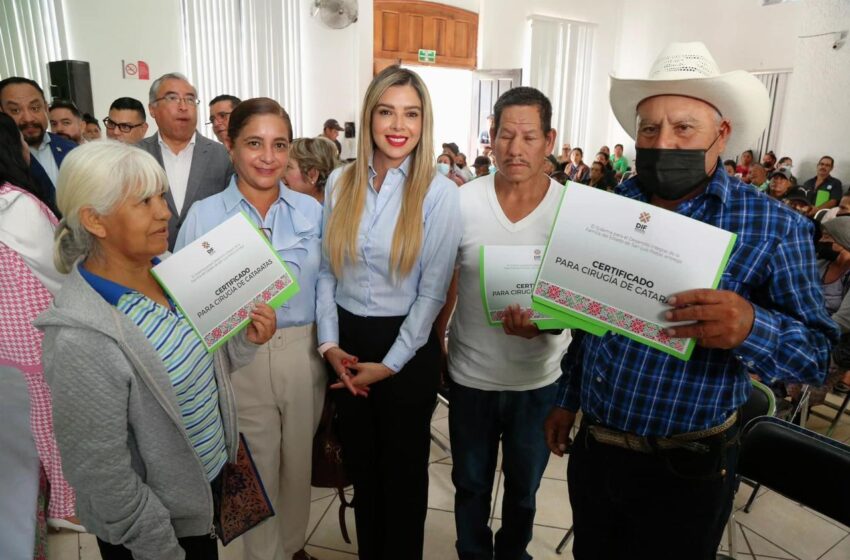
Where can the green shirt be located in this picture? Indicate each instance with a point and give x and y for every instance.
(620, 165)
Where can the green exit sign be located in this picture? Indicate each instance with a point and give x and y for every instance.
(427, 56)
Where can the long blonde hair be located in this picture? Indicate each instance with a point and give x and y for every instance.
(350, 192)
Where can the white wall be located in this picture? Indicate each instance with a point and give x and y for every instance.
(103, 32)
(503, 35)
(740, 34)
(817, 114)
(452, 105)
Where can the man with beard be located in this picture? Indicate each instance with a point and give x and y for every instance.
(23, 100)
(66, 120)
(658, 443)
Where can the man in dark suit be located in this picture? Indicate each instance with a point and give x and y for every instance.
(23, 100)
(196, 166)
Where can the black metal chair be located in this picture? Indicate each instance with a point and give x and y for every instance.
(789, 460)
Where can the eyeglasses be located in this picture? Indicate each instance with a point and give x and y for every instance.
(267, 232)
(218, 117)
(122, 126)
(174, 99)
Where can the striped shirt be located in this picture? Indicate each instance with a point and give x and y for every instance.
(634, 388)
(189, 366)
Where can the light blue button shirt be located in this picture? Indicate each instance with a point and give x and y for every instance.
(295, 221)
(367, 287)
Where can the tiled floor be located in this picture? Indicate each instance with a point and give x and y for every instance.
(775, 529)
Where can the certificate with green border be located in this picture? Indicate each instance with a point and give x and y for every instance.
(613, 261)
(507, 274)
(216, 279)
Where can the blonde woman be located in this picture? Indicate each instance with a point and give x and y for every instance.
(392, 228)
(311, 161)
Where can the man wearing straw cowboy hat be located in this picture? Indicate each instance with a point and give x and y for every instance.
(651, 471)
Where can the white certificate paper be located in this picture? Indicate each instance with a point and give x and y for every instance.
(614, 261)
(216, 279)
(507, 276)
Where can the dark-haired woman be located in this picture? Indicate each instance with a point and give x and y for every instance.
(577, 171)
(28, 281)
(280, 394)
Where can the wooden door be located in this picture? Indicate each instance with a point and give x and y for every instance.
(402, 28)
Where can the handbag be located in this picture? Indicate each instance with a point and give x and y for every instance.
(242, 502)
(328, 470)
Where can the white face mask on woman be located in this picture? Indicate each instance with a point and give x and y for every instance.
(443, 168)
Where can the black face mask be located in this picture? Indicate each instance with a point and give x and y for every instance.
(824, 250)
(670, 174)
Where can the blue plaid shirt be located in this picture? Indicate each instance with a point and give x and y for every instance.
(634, 388)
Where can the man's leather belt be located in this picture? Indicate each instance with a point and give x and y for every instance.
(644, 444)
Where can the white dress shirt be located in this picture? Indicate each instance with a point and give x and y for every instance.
(177, 167)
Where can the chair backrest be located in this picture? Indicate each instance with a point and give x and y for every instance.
(792, 461)
(761, 402)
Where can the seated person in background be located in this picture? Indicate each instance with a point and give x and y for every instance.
(605, 160)
(596, 179)
(729, 166)
(92, 129)
(446, 167)
(66, 120)
(744, 166)
(833, 252)
(768, 160)
(798, 200)
(550, 165)
(482, 166)
(560, 177)
(780, 184)
(786, 162)
(823, 182)
(576, 170)
(619, 161)
(605, 150)
(826, 215)
(758, 177)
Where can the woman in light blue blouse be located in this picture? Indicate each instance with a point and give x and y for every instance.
(391, 228)
(280, 395)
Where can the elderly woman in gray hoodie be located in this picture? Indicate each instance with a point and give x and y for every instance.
(145, 417)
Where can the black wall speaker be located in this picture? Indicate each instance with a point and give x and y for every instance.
(71, 79)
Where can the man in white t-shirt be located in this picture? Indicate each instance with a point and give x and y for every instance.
(503, 380)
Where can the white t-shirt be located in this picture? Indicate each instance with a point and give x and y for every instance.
(26, 230)
(481, 356)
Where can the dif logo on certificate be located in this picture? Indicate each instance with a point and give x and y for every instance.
(216, 279)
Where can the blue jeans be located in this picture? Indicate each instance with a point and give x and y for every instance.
(477, 421)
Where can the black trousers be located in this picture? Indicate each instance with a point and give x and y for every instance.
(672, 504)
(386, 440)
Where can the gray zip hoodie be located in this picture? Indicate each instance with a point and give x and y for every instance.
(124, 449)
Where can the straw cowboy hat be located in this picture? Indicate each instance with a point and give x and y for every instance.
(689, 69)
